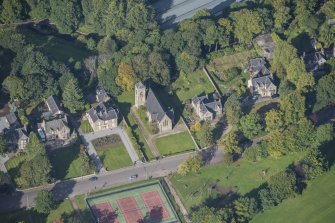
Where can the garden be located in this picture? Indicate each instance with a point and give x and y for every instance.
(112, 152)
(174, 144)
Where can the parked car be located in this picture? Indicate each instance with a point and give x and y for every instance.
(94, 178)
(132, 177)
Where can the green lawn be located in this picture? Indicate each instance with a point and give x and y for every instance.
(176, 143)
(13, 168)
(316, 204)
(64, 210)
(85, 126)
(114, 157)
(66, 162)
(189, 85)
(242, 177)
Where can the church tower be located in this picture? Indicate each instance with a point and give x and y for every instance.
(139, 95)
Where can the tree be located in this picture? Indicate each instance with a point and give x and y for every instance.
(73, 96)
(230, 143)
(187, 63)
(39, 9)
(206, 134)
(14, 86)
(205, 215)
(324, 134)
(274, 120)
(12, 11)
(66, 14)
(191, 164)
(34, 146)
(276, 144)
(247, 23)
(313, 164)
(36, 171)
(244, 208)
(3, 145)
(126, 78)
(44, 202)
(196, 127)
(325, 91)
(281, 18)
(255, 153)
(251, 125)
(232, 108)
(85, 161)
(107, 74)
(293, 106)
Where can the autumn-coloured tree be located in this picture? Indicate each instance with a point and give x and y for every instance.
(126, 77)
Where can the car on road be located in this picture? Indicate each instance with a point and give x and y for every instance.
(93, 178)
(132, 177)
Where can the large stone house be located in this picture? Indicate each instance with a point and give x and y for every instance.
(155, 112)
(261, 82)
(105, 115)
(262, 86)
(56, 129)
(207, 107)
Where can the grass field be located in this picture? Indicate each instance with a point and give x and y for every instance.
(64, 210)
(125, 101)
(241, 177)
(146, 202)
(85, 126)
(66, 162)
(176, 143)
(189, 85)
(316, 204)
(114, 157)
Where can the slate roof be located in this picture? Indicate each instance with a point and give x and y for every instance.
(155, 109)
(258, 67)
(312, 60)
(104, 111)
(15, 135)
(53, 105)
(265, 81)
(101, 94)
(9, 121)
(208, 103)
(55, 125)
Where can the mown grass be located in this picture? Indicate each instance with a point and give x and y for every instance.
(114, 156)
(316, 204)
(173, 144)
(85, 126)
(63, 210)
(66, 162)
(189, 85)
(242, 177)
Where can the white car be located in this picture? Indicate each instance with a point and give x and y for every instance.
(132, 177)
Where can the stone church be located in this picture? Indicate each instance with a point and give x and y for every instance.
(155, 111)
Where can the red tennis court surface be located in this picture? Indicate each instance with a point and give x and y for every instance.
(105, 213)
(130, 210)
(155, 206)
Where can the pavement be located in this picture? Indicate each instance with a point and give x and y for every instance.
(85, 185)
(170, 12)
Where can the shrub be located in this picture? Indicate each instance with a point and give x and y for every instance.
(255, 153)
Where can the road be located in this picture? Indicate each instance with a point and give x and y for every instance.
(170, 12)
(71, 188)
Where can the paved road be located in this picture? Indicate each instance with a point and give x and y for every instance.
(71, 188)
(123, 135)
(170, 12)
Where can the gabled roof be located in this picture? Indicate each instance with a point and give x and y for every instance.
(155, 109)
(265, 81)
(258, 67)
(9, 121)
(207, 103)
(15, 135)
(139, 85)
(104, 111)
(101, 94)
(55, 125)
(53, 105)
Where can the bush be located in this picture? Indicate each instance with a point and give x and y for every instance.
(107, 140)
(255, 153)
